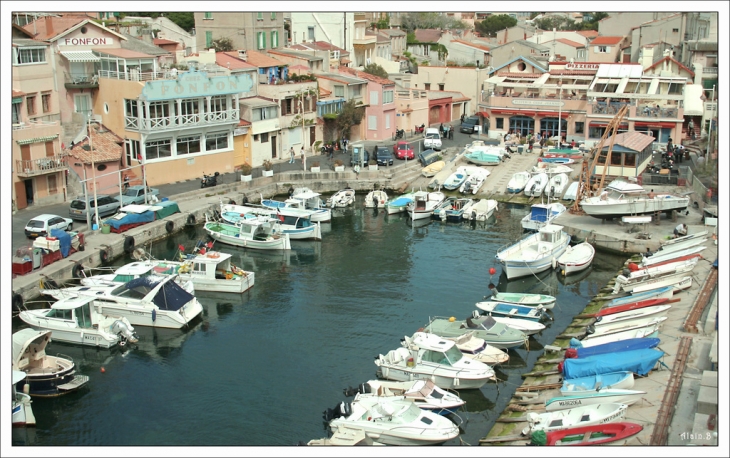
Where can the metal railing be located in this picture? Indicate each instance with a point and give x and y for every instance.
(48, 164)
(188, 120)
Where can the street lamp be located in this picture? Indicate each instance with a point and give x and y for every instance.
(93, 178)
(300, 102)
(560, 110)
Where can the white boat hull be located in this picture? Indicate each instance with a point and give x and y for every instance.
(576, 258)
(581, 416)
(668, 256)
(612, 208)
(650, 322)
(607, 396)
(528, 327)
(91, 337)
(677, 280)
(142, 316)
(636, 333)
(530, 256)
(536, 185)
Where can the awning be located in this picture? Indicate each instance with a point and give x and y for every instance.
(693, 105)
(80, 56)
(540, 81)
(483, 114)
(553, 114)
(668, 125)
(496, 79)
(45, 139)
(622, 85)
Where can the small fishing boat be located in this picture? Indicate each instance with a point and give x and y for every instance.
(572, 192)
(542, 214)
(658, 293)
(680, 243)
(528, 327)
(483, 157)
(615, 380)
(634, 316)
(614, 347)
(576, 258)
(571, 153)
(345, 435)
(485, 327)
(476, 348)
(595, 332)
(677, 280)
(622, 198)
(633, 333)
(536, 185)
(512, 310)
(432, 169)
(377, 198)
(587, 398)
(452, 209)
(22, 411)
(631, 306)
(424, 202)
(474, 181)
(480, 210)
(260, 233)
(399, 204)
(45, 375)
(595, 414)
(428, 356)
(391, 422)
(556, 160)
(341, 199)
(455, 180)
(556, 186)
(661, 258)
(639, 362)
(293, 222)
(303, 199)
(424, 393)
(518, 181)
(534, 253)
(593, 434)
(551, 169)
(521, 298)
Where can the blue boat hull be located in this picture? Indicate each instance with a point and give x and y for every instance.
(637, 361)
(620, 346)
(606, 380)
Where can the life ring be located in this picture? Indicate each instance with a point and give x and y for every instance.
(191, 219)
(128, 244)
(169, 226)
(213, 255)
(17, 301)
(77, 270)
(103, 256)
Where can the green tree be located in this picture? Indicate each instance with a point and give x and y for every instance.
(186, 20)
(494, 23)
(350, 115)
(222, 44)
(375, 69)
(412, 21)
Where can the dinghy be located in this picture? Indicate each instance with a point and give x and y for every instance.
(432, 169)
(342, 198)
(399, 204)
(483, 157)
(630, 306)
(635, 316)
(639, 362)
(478, 349)
(474, 181)
(595, 332)
(480, 210)
(577, 417)
(536, 185)
(634, 333)
(587, 398)
(518, 181)
(377, 198)
(576, 258)
(594, 434)
(670, 256)
(512, 310)
(664, 292)
(455, 180)
(556, 186)
(556, 160)
(521, 298)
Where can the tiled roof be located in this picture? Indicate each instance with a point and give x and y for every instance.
(107, 145)
(606, 40)
(18, 93)
(635, 141)
(59, 24)
(392, 32)
(297, 53)
(324, 92)
(135, 44)
(671, 59)
(231, 60)
(367, 76)
(319, 46)
(163, 41)
(260, 60)
(473, 45)
(588, 33)
(428, 35)
(572, 43)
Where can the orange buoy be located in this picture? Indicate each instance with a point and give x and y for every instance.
(103, 370)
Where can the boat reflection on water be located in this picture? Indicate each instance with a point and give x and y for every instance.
(575, 278)
(395, 217)
(23, 436)
(545, 282)
(161, 343)
(476, 400)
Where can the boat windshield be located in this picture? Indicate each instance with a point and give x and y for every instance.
(454, 354)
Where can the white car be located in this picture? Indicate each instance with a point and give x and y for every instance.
(432, 139)
(41, 225)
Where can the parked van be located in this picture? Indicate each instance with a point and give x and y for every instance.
(432, 139)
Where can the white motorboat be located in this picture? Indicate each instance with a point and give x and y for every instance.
(474, 181)
(572, 192)
(342, 198)
(587, 398)
(428, 356)
(536, 185)
(633, 333)
(484, 327)
(424, 202)
(391, 422)
(527, 327)
(542, 214)
(551, 169)
(259, 233)
(576, 258)
(424, 393)
(591, 383)
(523, 312)
(294, 222)
(478, 349)
(147, 301)
(674, 277)
(653, 322)
(518, 181)
(377, 198)
(298, 207)
(452, 209)
(632, 317)
(662, 257)
(455, 180)
(595, 414)
(677, 283)
(622, 198)
(78, 320)
(312, 201)
(680, 243)
(480, 210)
(534, 253)
(45, 375)
(399, 204)
(22, 411)
(556, 186)
(521, 298)
(127, 272)
(639, 274)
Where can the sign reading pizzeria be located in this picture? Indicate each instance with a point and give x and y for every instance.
(581, 66)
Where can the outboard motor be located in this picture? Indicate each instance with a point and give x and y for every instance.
(467, 187)
(124, 332)
(344, 409)
(209, 180)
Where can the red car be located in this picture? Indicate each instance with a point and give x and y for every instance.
(403, 150)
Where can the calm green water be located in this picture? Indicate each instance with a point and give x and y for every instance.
(260, 368)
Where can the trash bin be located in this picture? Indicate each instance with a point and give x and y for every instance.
(37, 257)
(520, 149)
(106, 229)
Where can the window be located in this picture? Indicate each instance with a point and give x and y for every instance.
(675, 30)
(189, 110)
(208, 39)
(387, 121)
(16, 113)
(387, 97)
(339, 91)
(261, 40)
(273, 16)
(216, 140)
(264, 137)
(372, 122)
(52, 186)
(441, 86)
(356, 91)
(310, 33)
(218, 103)
(46, 102)
(274, 39)
(427, 86)
(157, 149)
(259, 16)
(601, 49)
(260, 114)
(131, 151)
(130, 108)
(373, 98)
(159, 113)
(500, 123)
(188, 145)
(30, 103)
(208, 15)
(29, 56)
(579, 127)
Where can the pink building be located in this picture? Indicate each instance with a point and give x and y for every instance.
(379, 122)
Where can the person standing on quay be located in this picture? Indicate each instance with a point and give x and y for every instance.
(291, 155)
(304, 160)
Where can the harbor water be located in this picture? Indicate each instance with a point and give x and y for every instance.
(259, 368)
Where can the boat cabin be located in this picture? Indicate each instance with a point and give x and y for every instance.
(550, 234)
(74, 309)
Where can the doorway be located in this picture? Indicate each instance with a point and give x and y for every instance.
(312, 133)
(29, 191)
(273, 146)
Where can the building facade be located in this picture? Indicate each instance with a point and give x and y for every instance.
(256, 31)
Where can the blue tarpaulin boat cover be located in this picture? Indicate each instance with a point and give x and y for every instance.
(64, 239)
(637, 361)
(131, 218)
(620, 346)
(170, 297)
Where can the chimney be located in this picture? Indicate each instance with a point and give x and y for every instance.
(49, 25)
(243, 55)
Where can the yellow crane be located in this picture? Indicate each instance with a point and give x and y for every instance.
(599, 157)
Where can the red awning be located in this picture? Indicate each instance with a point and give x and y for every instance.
(552, 114)
(656, 124)
(497, 110)
(605, 124)
(483, 114)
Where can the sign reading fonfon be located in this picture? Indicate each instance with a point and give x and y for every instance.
(88, 41)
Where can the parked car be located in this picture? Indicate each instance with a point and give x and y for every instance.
(107, 205)
(135, 195)
(383, 155)
(41, 225)
(428, 157)
(432, 139)
(403, 150)
(467, 126)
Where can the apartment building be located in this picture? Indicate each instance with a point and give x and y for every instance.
(380, 111)
(246, 30)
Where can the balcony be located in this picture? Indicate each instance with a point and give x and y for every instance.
(166, 74)
(186, 121)
(81, 81)
(35, 167)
